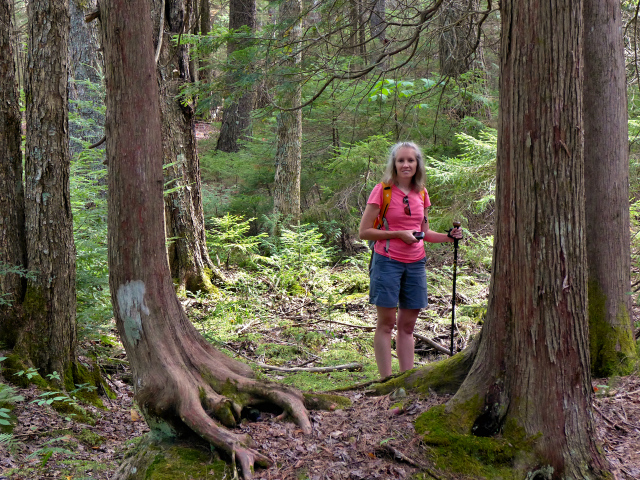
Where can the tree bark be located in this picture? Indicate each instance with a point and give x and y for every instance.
(531, 374)
(191, 267)
(286, 195)
(12, 233)
(48, 335)
(458, 36)
(178, 377)
(236, 118)
(606, 159)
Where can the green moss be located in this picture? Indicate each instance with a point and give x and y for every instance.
(34, 303)
(73, 410)
(16, 363)
(444, 376)
(475, 457)
(150, 460)
(321, 401)
(89, 438)
(612, 347)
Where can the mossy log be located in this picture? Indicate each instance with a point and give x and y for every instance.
(443, 377)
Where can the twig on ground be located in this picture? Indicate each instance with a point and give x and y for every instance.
(318, 320)
(435, 345)
(609, 421)
(349, 366)
(398, 455)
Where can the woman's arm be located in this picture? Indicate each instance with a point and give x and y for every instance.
(435, 237)
(367, 232)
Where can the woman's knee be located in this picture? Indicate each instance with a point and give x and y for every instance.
(386, 320)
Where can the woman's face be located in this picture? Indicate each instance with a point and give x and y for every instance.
(406, 163)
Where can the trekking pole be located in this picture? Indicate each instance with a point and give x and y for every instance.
(453, 300)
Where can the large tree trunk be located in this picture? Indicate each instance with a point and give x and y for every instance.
(531, 373)
(236, 118)
(458, 36)
(48, 334)
(191, 267)
(178, 377)
(607, 182)
(286, 195)
(12, 234)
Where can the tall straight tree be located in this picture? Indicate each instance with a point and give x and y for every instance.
(189, 259)
(531, 374)
(12, 235)
(48, 334)
(607, 181)
(286, 195)
(180, 381)
(236, 118)
(85, 65)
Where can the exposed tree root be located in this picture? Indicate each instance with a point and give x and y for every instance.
(205, 391)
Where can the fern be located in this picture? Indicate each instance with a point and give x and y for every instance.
(465, 183)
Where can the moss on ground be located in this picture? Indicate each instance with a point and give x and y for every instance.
(471, 456)
(163, 461)
(320, 401)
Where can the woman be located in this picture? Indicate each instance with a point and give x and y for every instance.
(398, 277)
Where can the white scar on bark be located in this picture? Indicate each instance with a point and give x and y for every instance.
(131, 305)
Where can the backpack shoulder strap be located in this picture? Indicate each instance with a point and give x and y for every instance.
(386, 200)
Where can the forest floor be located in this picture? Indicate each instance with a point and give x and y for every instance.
(369, 440)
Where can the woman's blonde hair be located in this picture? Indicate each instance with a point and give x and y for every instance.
(390, 175)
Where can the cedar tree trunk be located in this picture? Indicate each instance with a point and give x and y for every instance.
(191, 267)
(48, 335)
(606, 159)
(178, 377)
(531, 374)
(12, 234)
(236, 118)
(286, 195)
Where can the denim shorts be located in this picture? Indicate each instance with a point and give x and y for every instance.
(395, 283)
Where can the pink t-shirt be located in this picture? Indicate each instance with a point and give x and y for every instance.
(399, 220)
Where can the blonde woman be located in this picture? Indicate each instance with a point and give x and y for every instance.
(398, 285)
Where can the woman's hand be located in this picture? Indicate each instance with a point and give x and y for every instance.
(407, 236)
(456, 233)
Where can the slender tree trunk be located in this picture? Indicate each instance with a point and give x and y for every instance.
(178, 376)
(49, 333)
(458, 36)
(85, 64)
(12, 233)
(191, 267)
(286, 196)
(236, 118)
(531, 372)
(607, 183)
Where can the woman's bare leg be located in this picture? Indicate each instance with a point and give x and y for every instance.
(404, 337)
(382, 339)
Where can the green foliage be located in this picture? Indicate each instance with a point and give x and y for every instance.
(6, 269)
(89, 205)
(48, 449)
(295, 258)
(465, 183)
(228, 239)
